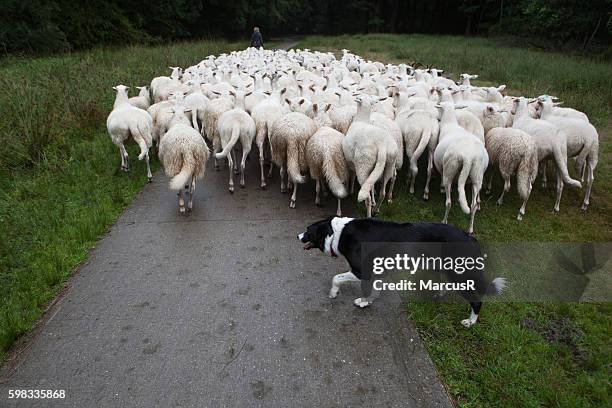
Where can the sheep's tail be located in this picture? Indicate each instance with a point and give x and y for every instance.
(142, 136)
(560, 155)
(364, 191)
(293, 163)
(414, 160)
(182, 179)
(230, 145)
(463, 176)
(527, 172)
(194, 119)
(334, 177)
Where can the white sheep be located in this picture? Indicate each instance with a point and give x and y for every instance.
(143, 100)
(126, 120)
(195, 102)
(418, 127)
(551, 142)
(393, 155)
(288, 143)
(183, 154)
(365, 148)
(459, 153)
(325, 160)
(514, 151)
(582, 141)
(213, 111)
(236, 125)
(265, 115)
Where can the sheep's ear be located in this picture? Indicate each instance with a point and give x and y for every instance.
(324, 87)
(268, 93)
(301, 101)
(216, 93)
(490, 109)
(300, 86)
(441, 71)
(311, 87)
(247, 94)
(186, 110)
(501, 88)
(328, 107)
(288, 101)
(460, 106)
(382, 99)
(232, 93)
(474, 76)
(115, 88)
(315, 107)
(283, 90)
(558, 103)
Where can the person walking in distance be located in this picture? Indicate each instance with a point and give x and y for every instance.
(256, 39)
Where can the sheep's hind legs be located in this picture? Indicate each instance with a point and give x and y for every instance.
(263, 184)
(318, 193)
(429, 171)
(149, 175)
(559, 192)
(191, 191)
(448, 204)
(125, 163)
(230, 165)
(473, 208)
(587, 195)
(181, 201)
(293, 196)
(283, 186)
(339, 210)
(500, 200)
(245, 153)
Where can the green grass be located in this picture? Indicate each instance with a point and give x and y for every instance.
(60, 184)
(510, 359)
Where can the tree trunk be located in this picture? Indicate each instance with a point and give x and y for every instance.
(468, 25)
(586, 44)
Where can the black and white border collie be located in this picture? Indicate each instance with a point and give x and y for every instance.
(337, 236)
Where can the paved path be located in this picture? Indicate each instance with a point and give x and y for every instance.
(221, 308)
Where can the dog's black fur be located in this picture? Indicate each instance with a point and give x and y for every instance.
(370, 230)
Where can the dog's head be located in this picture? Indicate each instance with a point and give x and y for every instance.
(316, 235)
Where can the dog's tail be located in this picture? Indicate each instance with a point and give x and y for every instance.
(496, 287)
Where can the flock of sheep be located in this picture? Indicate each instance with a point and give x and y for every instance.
(347, 119)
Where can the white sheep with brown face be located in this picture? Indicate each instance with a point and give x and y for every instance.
(183, 154)
(127, 121)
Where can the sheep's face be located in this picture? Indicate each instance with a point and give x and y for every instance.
(121, 89)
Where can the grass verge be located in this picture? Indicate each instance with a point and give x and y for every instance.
(60, 187)
(521, 354)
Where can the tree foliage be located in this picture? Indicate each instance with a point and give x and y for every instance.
(44, 26)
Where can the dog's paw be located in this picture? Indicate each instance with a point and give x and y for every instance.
(333, 293)
(361, 302)
(467, 323)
